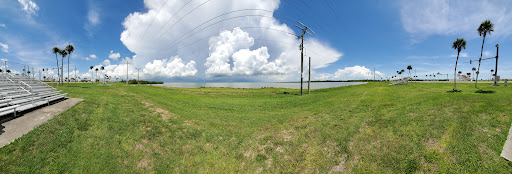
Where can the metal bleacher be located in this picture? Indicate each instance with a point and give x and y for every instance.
(19, 93)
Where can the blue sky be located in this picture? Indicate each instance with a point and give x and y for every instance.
(166, 39)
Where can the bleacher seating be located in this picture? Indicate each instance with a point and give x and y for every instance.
(19, 93)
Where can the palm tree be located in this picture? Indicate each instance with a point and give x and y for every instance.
(56, 51)
(64, 53)
(91, 73)
(459, 44)
(96, 73)
(485, 27)
(102, 68)
(409, 68)
(70, 49)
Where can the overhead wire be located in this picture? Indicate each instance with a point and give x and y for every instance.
(176, 42)
(224, 14)
(154, 18)
(183, 17)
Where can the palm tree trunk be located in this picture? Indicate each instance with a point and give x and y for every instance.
(58, 71)
(480, 60)
(62, 71)
(68, 67)
(455, 72)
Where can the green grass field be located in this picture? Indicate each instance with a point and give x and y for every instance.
(375, 128)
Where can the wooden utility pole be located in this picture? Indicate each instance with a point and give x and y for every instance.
(309, 75)
(496, 68)
(301, 37)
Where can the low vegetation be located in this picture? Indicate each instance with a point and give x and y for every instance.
(374, 128)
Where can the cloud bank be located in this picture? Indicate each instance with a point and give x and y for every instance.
(223, 39)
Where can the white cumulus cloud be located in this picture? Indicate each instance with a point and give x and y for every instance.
(29, 6)
(4, 47)
(90, 57)
(232, 47)
(351, 73)
(168, 68)
(106, 62)
(114, 56)
(3, 25)
(258, 48)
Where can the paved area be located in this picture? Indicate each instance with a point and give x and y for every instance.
(13, 129)
(507, 148)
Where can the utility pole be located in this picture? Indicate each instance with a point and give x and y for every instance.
(301, 37)
(127, 72)
(138, 81)
(75, 74)
(373, 74)
(309, 75)
(496, 72)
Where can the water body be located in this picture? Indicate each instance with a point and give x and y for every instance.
(259, 85)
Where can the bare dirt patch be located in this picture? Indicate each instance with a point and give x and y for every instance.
(340, 167)
(158, 111)
(434, 144)
(146, 162)
(288, 135)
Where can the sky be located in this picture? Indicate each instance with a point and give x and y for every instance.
(254, 41)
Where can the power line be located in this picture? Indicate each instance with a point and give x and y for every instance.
(173, 16)
(183, 17)
(222, 20)
(154, 18)
(176, 42)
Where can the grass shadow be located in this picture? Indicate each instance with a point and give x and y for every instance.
(454, 90)
(485, 91)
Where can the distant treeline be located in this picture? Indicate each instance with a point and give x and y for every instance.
(141, 82)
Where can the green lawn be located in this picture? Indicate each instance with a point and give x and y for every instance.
(374, 128)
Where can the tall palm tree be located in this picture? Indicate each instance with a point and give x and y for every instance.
(459, 44)
(102, 68)
(473, 69)
(96, 73)
(485, 27)
(91, 73)
(63, 53)
(70, 49)
(56, 51)
(409, 68)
